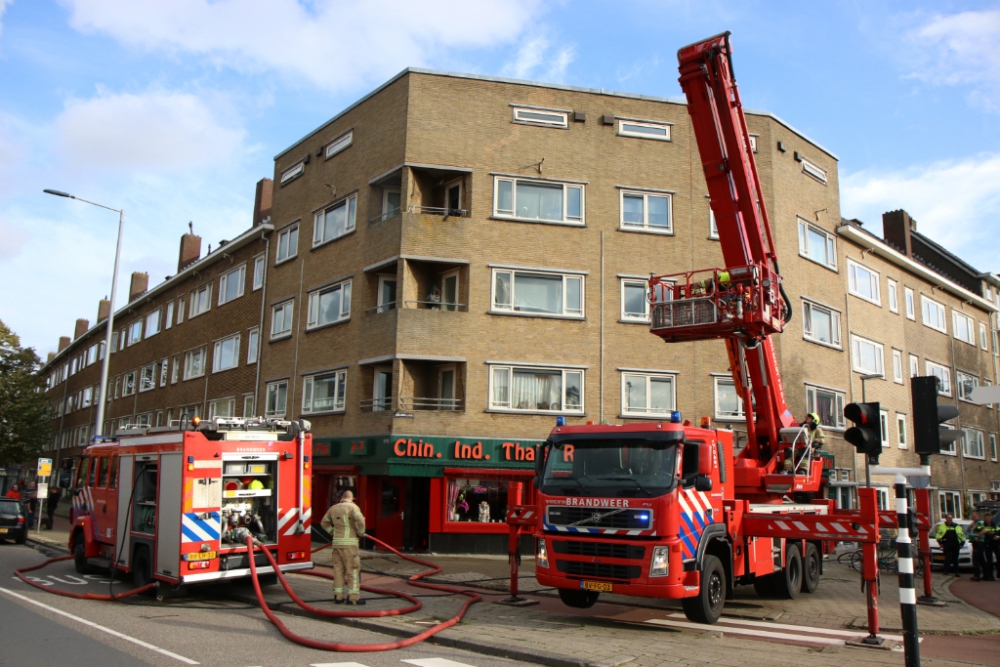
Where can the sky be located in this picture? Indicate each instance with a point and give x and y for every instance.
(173, 109)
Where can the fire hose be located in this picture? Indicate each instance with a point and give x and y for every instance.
(78, 596)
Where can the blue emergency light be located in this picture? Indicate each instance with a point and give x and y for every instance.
(560, 421)
(675, 417)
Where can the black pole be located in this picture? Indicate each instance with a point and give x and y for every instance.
(907, 594)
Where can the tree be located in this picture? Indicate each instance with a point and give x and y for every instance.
(25, 413)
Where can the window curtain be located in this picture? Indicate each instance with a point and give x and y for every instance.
(540, 294)
(536, 391)
(452, 497)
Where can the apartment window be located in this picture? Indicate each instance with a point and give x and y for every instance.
(335, 221)
(827, 403)
(248, 405)
(974, 445)
(382, 389)
(449, 290)
(948, 447)
(147, 377)
(169, 320)
(223, 407)
(897, 366)
(253, 341)
(544, 118)
(114, 346)
(386, 293)
(647, 395)
(963, 327)
(453, 197)
(882, 497)
(644, 129)
(982, 336)
(391, 201)
(635, 307)
(966, 385)
(122, 339)
(128, 384)
(176, 366)
(87, 397)
(728, 403)
(901, 431)
(201, 300)
(943, 374)
(118, 385)
(324, 393)
(164, 367)
(180, 310)
(292, 172)
(893, 296)
(92, 354)
(288, 244)
(867, 356)
(339, 144)
(537, 293)
(536, 389)
(538, 200)
(231, 284)
(993, 447)
(914, 366)
(987, 383)
(281, 319)
(817, 244)
(933, 314)
(277, 393)
(647, 212)
(813, 169)
(194, 363)
(820, 325)
(258, 272)
(134, 336)
(330, 305)
(226, 354)
(883, 421)
(950, 502)
(863, 283)
(153, 322)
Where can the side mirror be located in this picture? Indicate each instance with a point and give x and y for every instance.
(703, 483)
(706, 459)
(540, 451)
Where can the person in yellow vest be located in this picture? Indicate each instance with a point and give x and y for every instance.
(346, 523)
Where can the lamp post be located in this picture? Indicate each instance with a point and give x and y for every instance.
(102, 397)
(864, 399)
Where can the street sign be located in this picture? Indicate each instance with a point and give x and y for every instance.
(44, 467)
(986, 395)
(43, 490)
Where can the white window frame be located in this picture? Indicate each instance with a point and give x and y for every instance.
(974, 440)
(982, 336)
(200, 296)
(134, 336)
(646, 412)
(966, 383)
(153, 322)
(273, 391)
(632, 317)
(854, 270)
(381, 305)
(808, 306)
(339, 144)
(830, 244)
(883, 422)
(645, 226)
(253, 345)
(496, 405)
(814, 170)
(856, 342)
(929, 306)
(511, 309)
(945, 385)
(213, 407)
(286, 248)
(241, 277)
(312, 315)
(566, 186)
(713, 226)
(382, 400)
(217, 353)
(914, 366)
(839, 399)
(294, 171)
(339, 379)
(287, 311)
(164, 371)
(176, 366)
(893, 290)
(248, 405)
(740, 414)
(169, 321)
(902, 436)
(957, 319)
(259, 267)
(993, 447)
(634, 128)
(387, 210)
(445, 304)
(181, 308)
(956, 502)
(897, 366)
(190, 370)
(540, 117)
(129, 384)
(911, 304)
(350, 203)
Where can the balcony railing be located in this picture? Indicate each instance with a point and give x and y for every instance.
(436, 305)
(437, 210)
(426, 403)
(386, 215)
(376, 404)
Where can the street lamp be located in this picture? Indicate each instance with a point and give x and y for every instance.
(102, 395)
(865, 378)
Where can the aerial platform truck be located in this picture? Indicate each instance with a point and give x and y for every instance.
(670, 510)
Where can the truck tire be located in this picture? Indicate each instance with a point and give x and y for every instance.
(577, 598)
(706, 606)
(787, 584)
(142, 568)
(810, 569)
(80, 555)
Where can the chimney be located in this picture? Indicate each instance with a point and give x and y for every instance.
(896, 229)
(52, 355)
(82, 326)
(262, 201)
(140, 281)
(64, 342)
(190, 251)
(103, 309)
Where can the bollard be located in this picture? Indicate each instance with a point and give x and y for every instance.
(907, 594)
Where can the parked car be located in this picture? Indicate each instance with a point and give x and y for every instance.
(12, 523)
(964, 554)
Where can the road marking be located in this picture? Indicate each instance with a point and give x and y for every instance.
(436, 662)
(91, 624)
(337, 664)
(747, 631)
(799, 628)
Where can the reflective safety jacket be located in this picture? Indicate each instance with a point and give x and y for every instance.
(946, 534)
(345, 522)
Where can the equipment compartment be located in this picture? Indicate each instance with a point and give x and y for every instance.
(249, 502)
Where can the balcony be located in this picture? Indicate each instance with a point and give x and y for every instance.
(414, 403)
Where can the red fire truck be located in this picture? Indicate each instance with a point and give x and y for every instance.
(670, 510)
(176, 504)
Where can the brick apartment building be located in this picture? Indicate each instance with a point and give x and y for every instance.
(439, 281)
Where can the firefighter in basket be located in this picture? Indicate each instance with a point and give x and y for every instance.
(346, 523)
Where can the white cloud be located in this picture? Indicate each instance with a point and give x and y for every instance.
(954, 202)
(158, 131)
(335, 45)
(536, 59)
(3, 8)
(961, 50)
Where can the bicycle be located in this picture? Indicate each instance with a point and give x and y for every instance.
(887, 558)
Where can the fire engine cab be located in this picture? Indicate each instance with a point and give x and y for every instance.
(177, 504)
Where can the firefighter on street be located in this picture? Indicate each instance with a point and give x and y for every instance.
(346, 523)
(951, 538)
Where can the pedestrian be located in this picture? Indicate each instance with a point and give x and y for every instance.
(346, 523)
(951, 538)
(55, 493)
(991, 548)
(13, 493)
(976, 527)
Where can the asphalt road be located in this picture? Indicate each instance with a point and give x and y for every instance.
(205, 627)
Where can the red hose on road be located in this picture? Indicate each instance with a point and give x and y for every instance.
(358, 648)
(78, 596)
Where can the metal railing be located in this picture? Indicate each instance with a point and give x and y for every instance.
(426, 403)
(385, 307)
(386, 215)
(437, 305)
(438, 210)
(376, 404)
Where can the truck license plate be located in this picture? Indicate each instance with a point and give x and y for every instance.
(202, 555)
(596, 586)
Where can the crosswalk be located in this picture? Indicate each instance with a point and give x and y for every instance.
(421, 662)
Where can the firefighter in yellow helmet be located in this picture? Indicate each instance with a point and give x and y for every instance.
(346, 523)
(814, 432)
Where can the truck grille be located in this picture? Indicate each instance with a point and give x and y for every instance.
(599, 570)
(599, 549)
(593, 517)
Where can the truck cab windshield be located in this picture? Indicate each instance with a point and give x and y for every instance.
(610, 467)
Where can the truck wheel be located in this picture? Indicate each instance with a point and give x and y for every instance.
(706, 607)
(142, 568)
(787, 584)
(810, 569)
(578, 599)
(80, 556)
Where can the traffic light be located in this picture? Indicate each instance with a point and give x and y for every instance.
(928, 434)
(866, 434)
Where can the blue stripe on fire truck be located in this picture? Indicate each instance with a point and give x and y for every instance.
(695, 518)
(195, 528)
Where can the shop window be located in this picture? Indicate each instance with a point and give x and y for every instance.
(476, 500)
